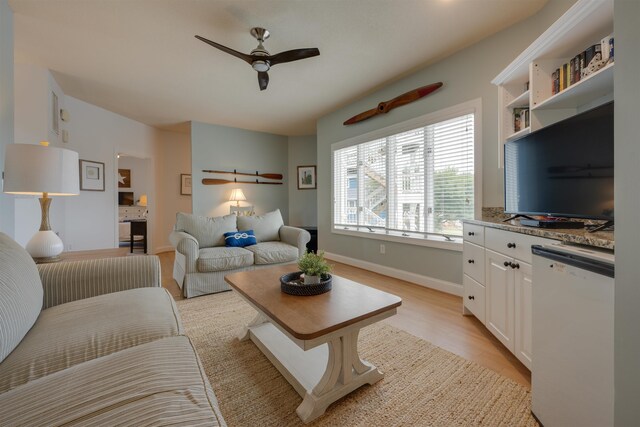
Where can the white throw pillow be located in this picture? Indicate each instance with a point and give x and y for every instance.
(265, 227)
(208, 231)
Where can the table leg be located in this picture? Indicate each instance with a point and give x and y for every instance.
(258, 320)
(345, 372)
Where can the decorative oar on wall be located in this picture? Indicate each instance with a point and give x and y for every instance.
(213, 181)
(404, 99)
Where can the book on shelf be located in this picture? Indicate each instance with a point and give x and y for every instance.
(555, 81)
(520, 119)
(606, 47)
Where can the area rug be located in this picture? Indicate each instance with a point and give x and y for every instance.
(424, 385)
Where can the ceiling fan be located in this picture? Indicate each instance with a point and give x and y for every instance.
(260, 59)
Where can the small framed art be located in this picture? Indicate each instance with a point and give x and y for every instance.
(185, 184)
(124, 178)
(91, 175)
(306, 177)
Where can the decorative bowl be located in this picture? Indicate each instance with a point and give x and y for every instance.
(292, 284)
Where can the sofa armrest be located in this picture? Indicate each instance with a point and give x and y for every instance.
(188, 246)
(295, 236)
(69, 281)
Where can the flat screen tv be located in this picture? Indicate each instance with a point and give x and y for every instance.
(125, 198)
(563, 170)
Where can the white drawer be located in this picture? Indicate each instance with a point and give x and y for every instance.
(473, 261)
(512, 244)
(473, 233)
(474, 297)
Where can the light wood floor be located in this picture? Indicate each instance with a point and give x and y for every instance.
(426, 313)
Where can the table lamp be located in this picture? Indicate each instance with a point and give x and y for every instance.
(237, 196)
(39, 169)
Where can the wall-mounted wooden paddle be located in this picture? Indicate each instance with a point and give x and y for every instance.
(212, 181)
(404, 99)
(261, 175)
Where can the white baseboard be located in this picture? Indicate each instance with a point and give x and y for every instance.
(161, 249)
(418, 279)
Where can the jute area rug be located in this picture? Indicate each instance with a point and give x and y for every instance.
(424, 385)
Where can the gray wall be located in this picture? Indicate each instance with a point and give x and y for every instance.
(466, 76)
(627, 207)
(6, 108)
(303, 204)
(225, 148)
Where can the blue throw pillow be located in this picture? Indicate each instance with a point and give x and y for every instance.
(240, 239)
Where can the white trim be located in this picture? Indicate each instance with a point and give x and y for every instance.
(432, 241)
(418, 279)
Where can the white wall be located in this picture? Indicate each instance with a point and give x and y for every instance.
(6, 108)
(627, 208)
(466, 76)
(303, 204)
(173, 157)
(99, 135)
(225, 148)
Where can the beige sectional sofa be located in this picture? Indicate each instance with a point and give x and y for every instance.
(202, 259)
(95, 342)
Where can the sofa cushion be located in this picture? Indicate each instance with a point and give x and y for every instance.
(222, 259)
(20, 294)
(158, 383)
(208, 231)
(72, 333)
(240, 239)
(273, 252)
(266, 227)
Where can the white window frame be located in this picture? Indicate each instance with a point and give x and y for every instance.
(429, 240)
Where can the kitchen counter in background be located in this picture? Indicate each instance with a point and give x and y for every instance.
(493, 217)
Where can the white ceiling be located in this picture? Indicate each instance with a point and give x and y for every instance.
(139, 58)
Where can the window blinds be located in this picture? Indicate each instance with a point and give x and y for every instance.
(418, 181)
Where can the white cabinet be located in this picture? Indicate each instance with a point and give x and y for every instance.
(498, 284)
(500, 309)
(583, 25)
(523, 292)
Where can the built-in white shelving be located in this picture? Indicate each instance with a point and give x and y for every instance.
(583, 25)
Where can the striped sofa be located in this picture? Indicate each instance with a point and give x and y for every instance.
(96, 342)
(202, 259)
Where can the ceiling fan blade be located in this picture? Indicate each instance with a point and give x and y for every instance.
(243, 56)
(293, 55)
(362, 116)
(263, 79)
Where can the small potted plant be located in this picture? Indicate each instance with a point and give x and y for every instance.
(313, 266)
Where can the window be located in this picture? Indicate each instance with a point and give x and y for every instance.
(413, 183)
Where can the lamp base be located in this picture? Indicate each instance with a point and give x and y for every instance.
(45, 246)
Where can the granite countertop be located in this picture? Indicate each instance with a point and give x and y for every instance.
(493, 217)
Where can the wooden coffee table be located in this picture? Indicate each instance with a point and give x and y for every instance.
(313, 340)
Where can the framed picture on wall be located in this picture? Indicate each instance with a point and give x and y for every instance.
(124, 178)
(91, 175)
(306, 177)
(185, 184)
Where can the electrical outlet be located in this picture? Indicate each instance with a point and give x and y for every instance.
(383, 250)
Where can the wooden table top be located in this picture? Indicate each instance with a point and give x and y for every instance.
(308, 317)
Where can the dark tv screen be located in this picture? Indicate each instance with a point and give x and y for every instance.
(125, 198)
(564, 170)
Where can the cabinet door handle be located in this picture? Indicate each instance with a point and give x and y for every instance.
(511, 245)
(507, 264)
(471, 261)
(516, 265)
(471, 297)
(471, 233)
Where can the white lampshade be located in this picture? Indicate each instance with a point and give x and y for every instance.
(45, 171)
(37, 169)
(143, 200)
(237, 195)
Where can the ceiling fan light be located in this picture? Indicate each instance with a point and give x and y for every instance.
(260, 66)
